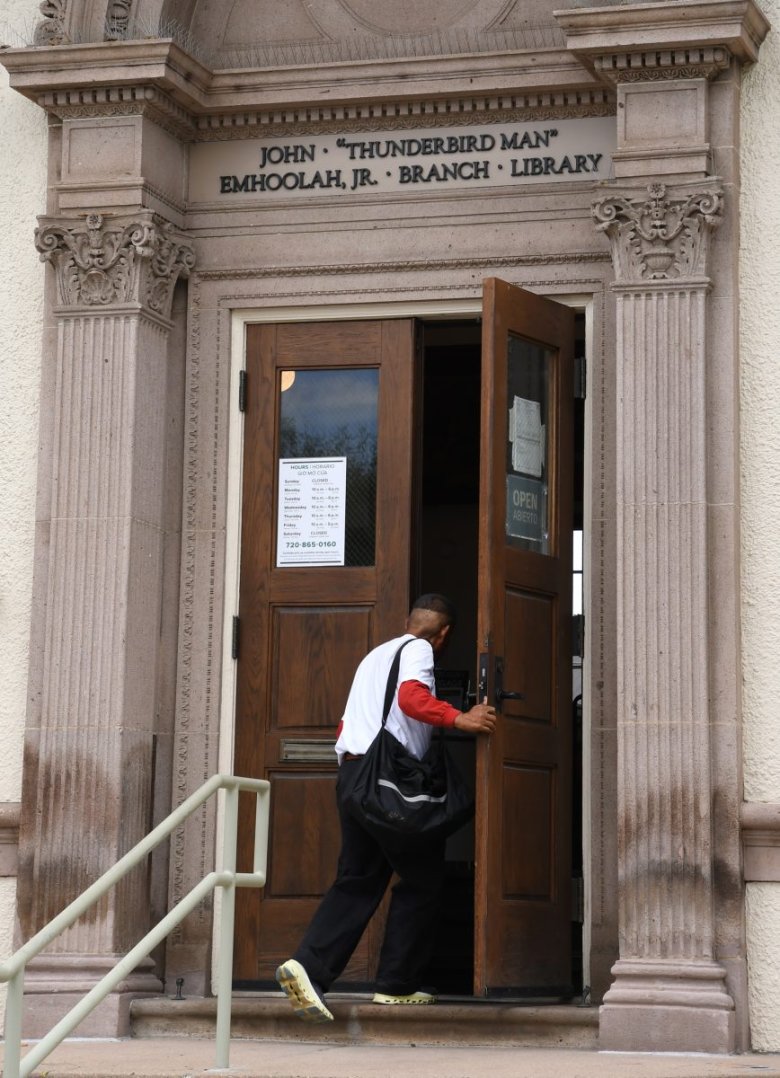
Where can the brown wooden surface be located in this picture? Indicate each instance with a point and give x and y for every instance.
(523, 844)
(304, 630)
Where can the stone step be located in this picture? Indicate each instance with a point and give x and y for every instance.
(358, 1021)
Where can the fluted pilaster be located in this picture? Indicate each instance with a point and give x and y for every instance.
(89, 743)
(669, 991)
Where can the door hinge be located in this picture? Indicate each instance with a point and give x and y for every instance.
(580, 378)
(234, 638)
(242, 391)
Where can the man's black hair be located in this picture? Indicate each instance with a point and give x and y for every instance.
(440, 604)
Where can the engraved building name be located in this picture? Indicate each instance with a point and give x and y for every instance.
(436, 158)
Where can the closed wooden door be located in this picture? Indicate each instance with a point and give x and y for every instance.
(523, 843)
(325, 551)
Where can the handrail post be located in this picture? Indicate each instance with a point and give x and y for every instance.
(13, 970)
(13, 1025)
(227, 924)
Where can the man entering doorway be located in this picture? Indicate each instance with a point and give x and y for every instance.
(366, 864)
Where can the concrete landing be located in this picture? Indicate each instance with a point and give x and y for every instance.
(360, 1022)
(184, 1057)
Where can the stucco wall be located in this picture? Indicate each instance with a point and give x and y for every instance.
(760, 452)
(22, 196)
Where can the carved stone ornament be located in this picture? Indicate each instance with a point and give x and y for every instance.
(118, 20)
(51, 31)
(100, 263)
(664, 236)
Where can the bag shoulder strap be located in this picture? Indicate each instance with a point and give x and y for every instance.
(392, 681)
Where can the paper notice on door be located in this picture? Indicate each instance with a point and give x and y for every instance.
(526, 433)
(312, 511)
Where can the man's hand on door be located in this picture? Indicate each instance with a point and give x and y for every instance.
(481, 719)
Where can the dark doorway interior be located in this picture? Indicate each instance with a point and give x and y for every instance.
(446, 560)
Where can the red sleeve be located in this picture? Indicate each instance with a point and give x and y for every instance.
(416, 701)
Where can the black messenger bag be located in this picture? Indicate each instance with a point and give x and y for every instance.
(398, 798)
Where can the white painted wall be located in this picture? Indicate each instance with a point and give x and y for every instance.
(22, 196)
(760, 468)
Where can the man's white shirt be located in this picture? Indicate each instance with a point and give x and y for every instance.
(363, 714)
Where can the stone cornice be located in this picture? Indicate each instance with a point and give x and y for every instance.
(365, 116)
(659, 64)
(52, 75)
(658, 36)
(121, 101)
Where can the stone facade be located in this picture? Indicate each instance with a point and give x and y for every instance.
(760, 451)
(126, 663)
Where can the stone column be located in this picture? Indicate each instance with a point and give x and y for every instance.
(89, 745)
(680, 981)
(669, 991)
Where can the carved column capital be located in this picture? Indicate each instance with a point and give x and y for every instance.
(662, 235)
(106, 262)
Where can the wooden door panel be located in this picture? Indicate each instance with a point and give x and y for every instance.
(305, 628)
(523, 833)
(303, 834)
(527, 868)
(316, 651)
(529, 621)
(315, 344)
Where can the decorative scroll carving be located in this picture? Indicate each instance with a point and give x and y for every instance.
(52, 30)
(101, 263)
(655, 65)
(661, 237)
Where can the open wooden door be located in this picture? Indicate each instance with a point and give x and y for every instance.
(523, 841)
(324, 578)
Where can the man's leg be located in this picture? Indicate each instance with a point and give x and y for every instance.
(411, 922)
(341, 918)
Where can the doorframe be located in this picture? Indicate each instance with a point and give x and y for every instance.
(449, 309)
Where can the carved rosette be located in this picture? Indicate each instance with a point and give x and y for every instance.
(664, 236)
(102, 263)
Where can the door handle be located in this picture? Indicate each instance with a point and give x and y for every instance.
(501, 695)
(499, 692)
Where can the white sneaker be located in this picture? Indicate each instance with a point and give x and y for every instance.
(413, 998)
(307, 1001)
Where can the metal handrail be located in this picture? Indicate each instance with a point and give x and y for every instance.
(12, 971)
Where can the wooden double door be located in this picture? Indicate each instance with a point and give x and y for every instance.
(331, 504)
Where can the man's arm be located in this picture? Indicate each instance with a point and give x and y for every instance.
(418, 702)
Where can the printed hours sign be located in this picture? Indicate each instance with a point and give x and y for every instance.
(441, 158)
(312, 511)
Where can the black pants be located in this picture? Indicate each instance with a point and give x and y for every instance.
(364, 870)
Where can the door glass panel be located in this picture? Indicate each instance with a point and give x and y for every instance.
(329, 414)
(527, 453)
